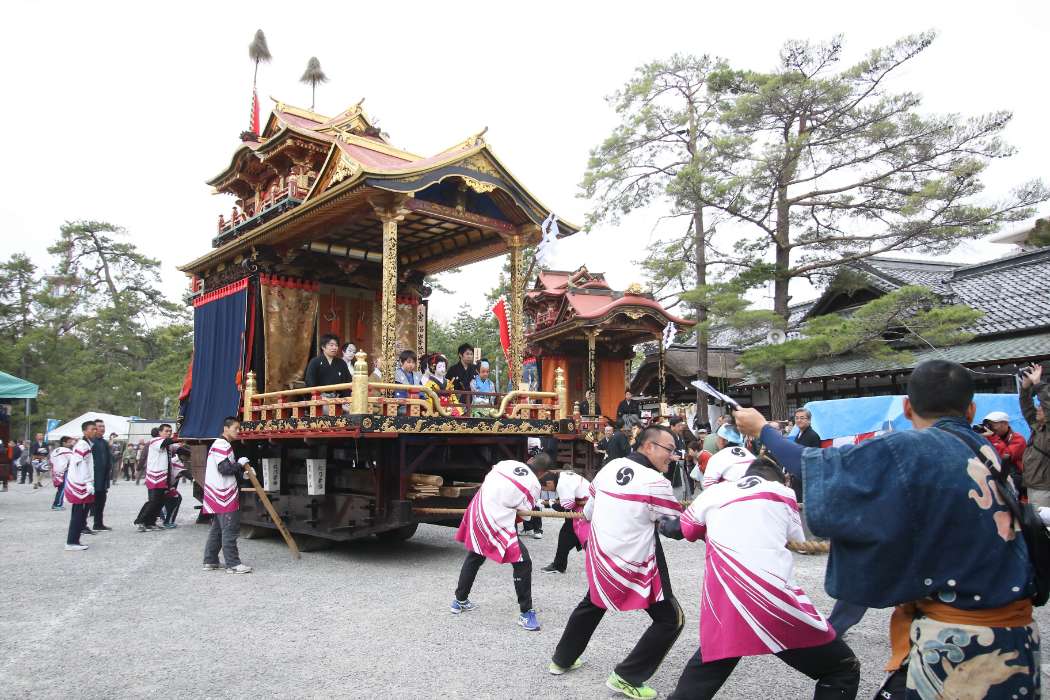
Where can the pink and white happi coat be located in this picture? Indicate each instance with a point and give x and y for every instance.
(220, 490)
(158, 461)
(627, 498)
(80, 475)
(60, 458)
(728, 464)
(750, 604)
(573, 492)
(488, 527)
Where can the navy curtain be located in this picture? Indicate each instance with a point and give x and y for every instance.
(218, 355)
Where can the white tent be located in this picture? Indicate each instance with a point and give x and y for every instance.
(114, 424)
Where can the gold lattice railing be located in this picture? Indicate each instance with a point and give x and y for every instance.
(363, 396)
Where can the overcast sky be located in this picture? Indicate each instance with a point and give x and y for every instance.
(121, 111)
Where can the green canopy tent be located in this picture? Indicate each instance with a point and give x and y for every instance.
(15, 388)
(12, 387)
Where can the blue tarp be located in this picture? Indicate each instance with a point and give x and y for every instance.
(218, 352)
(845, 417)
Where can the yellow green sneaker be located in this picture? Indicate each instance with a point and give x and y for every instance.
(556, 670)
(643, 692)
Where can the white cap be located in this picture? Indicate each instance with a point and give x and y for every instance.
(997, 416)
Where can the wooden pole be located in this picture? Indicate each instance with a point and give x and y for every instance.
(273, 513)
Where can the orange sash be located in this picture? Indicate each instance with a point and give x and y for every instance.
(1016, 614)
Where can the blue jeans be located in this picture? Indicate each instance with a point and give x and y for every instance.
(225, 527)
(60, 495)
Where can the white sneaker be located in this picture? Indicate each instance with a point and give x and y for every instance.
(537, 535)
(76, 547)
(239, 569)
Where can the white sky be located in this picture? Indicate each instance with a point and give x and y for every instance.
(121, 111)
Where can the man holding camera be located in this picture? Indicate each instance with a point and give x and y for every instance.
(1008, 445)
(1036, 459)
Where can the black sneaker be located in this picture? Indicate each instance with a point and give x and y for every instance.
(551, 569)
(87, 531)
(102, 528)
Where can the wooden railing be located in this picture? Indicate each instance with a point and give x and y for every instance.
(363, 396)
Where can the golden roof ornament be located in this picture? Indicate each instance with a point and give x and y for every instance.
(634, 289)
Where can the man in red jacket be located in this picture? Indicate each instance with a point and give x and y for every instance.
(1006, 442)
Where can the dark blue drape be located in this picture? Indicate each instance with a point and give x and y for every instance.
(218, 353)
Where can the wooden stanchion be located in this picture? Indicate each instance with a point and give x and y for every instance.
(273, 513)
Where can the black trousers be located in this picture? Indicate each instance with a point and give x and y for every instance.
(26, 473)
(652, 647)
(567, 539)
(148, 514)
(522, 577)
(98, 508)
(171, 508)
(833, 666)
(533, 524)
(77, 522)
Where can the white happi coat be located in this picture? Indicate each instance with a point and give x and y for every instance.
(573, 493)
(80, 475)
(728, 464)
(60, 458)
(750, 603)
(157, 463)
(220, 490)
(627, 498)
(488, 526)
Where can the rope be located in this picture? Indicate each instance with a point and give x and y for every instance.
(807, 547)
(523, 513)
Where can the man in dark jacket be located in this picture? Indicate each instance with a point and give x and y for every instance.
(619, 445)
(1036, 459)
(628, 407)
(807, 436)
(103, 460)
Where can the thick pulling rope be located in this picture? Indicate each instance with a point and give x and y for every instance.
(523, 513)
(808, 547)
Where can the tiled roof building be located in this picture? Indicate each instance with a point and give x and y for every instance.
(1013, 293)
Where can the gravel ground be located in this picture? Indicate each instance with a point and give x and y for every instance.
(135, 615)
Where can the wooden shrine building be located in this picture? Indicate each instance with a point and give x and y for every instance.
(346, 226)
(575, 321)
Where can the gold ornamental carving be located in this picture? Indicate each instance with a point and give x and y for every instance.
(634, 289)
(346, 169)
(481, 164)
(477, 185)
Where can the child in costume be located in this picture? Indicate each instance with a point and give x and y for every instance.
(436, 380)
(483, 406)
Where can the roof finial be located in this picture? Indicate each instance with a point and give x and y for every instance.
(313, 75)
(259, 52)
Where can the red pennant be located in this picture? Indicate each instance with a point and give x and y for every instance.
(500, 312)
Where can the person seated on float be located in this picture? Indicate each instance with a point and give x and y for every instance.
(406, 373)
(349, 350)
(328, 368)
(482, 404)
(463, 371)
(438, 380)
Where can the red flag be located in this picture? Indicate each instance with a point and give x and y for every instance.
(500, 311)
(255, 112)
